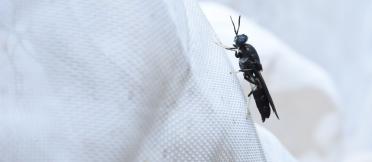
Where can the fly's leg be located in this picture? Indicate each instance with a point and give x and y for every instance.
(226, 47)
(253, 88)
(238, 71)
(245, 70)
(234, 72)
(249, 78)
(250, 93)
(241, 70)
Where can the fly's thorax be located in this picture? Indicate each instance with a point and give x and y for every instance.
(243, 62)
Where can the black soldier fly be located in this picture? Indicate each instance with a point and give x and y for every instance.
(250, 65)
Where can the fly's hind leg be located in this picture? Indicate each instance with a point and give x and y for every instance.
(249, 78)
(250, 93)
(253, 88)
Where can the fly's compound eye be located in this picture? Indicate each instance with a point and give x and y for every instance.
(240, 39)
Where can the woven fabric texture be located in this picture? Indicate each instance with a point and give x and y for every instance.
(118, 81)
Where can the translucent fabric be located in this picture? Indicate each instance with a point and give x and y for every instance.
(119, 81)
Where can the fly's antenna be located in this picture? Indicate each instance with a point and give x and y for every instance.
(236, 33)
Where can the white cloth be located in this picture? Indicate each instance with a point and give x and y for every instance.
(118, 81)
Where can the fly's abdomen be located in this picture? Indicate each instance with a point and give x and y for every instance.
(262, 102)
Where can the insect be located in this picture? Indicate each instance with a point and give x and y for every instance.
(250, 65)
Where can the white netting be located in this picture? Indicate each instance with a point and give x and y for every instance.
(117, 81)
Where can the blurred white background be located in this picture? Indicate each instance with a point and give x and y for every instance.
(336, 37)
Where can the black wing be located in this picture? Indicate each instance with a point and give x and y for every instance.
(263, 91)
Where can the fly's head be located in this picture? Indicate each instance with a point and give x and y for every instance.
(240, 40)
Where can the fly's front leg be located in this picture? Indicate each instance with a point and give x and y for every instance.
(226, 47)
